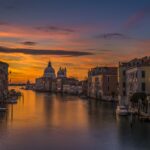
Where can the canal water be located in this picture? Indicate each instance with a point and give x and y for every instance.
(41, 121)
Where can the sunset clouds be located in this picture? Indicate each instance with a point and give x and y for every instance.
(73, 34)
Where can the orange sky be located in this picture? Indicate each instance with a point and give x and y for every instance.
(105, 52)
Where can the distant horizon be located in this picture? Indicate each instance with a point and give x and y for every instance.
(80, 79)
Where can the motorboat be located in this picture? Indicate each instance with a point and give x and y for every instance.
(2, 109)
(122, 111)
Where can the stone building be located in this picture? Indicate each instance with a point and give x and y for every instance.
(70, 86)
(83, 87)
(3, 80)
(48, 81)
(102, 82)
(67, 85)
(134, 77)
(61, 78)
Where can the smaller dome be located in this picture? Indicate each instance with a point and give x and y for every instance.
(61, 72)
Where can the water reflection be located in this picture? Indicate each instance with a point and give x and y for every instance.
(133, 138)
(65, 112)
(44, 121)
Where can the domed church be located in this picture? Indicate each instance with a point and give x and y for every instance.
(47, 81)
(49, 71)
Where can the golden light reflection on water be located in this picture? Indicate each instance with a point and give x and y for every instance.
(42, 109)
(45, 121)
(68, 115)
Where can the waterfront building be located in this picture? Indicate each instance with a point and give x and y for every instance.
(3, 80)
(122, 83)
(67, 85)
(29, 86)
(62, 73)
(48, 81)
(102, 82)
(83, 87)
(79, 88)
(70, 86)
(134, 77)
(61, 78)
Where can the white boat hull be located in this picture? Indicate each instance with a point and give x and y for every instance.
(122, 111)
(2, 109)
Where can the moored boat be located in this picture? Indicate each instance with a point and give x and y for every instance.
(3, 109)
(122, 111)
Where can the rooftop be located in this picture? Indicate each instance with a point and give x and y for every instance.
(3, 63)
(102, 70)
(137, 62)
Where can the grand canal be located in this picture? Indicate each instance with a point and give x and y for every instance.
(41, 121)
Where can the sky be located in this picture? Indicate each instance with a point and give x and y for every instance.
(77, 34)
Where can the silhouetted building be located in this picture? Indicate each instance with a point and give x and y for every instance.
(61, 78)
(84, 85)
(3, 80)
(49, 71)
(62, 73)
(29, 86)
(48, 81)
(60, 84)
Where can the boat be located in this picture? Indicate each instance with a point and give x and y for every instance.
(122, 111)
(3, 109)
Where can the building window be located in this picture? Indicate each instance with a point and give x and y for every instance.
(136, 74)
(124, 93)
(124, 73)
(96, 79)
(124, 84)
(143, 74)
(108, 88)
(143, 87)
(108, 79)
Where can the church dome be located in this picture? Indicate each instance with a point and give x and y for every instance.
(61, 72)
(49, 71)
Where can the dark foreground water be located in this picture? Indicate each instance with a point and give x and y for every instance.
(42, 121)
